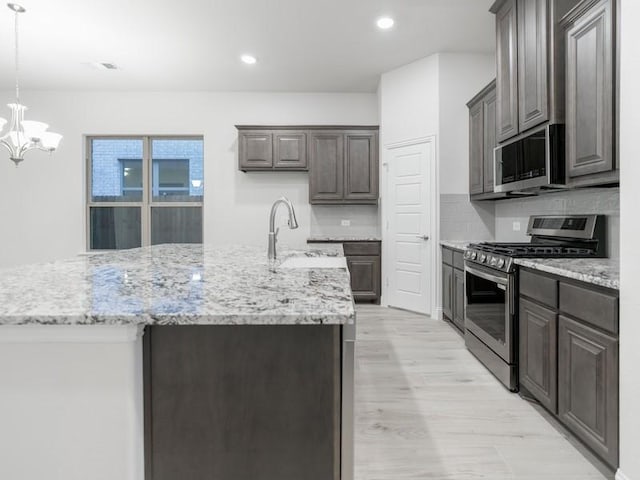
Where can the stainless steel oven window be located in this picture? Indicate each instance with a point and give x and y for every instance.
(489, 309)
(146, 190)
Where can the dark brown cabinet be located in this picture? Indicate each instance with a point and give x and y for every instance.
(507, 70)
(569, 355)
(265, 148)
(590, 91)
(482, 140)
(453, 287)
(255, 150)
(290, 150)
(538, 352)
(533, 106)
(588, 386)
(343, 167)
(530, 63)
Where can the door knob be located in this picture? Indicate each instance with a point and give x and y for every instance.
(423, 237)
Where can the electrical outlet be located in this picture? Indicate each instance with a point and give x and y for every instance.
(516, 226)
(345, 223)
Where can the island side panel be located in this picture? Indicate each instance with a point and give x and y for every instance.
(242, 402)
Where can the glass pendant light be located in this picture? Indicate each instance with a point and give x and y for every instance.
(24, 135)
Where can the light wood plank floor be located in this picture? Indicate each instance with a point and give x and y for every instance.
(427, 409)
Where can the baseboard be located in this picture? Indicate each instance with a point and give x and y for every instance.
(438, 313)
(621, 476)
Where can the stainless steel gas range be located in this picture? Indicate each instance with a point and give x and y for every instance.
(491, 296)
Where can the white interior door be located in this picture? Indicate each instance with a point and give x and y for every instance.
(408, 223)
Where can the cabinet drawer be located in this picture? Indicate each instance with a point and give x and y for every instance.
(539, 287)
(361, 248)
(458, 260)
(447, 256)
(596, 308)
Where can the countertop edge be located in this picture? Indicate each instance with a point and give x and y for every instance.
(568, 272)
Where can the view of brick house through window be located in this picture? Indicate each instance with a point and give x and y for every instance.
(144, 191)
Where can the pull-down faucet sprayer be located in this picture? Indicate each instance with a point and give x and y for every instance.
(273, 232)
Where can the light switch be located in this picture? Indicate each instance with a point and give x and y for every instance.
(516, 226)
(345, 223)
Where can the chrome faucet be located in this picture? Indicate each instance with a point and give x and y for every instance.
(273, 232)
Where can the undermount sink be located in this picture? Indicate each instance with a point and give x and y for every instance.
(314, 262)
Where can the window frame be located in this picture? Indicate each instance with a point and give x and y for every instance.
(147, 203)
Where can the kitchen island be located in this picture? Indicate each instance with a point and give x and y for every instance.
(207, 362)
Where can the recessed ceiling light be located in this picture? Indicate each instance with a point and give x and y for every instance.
(385, 23)
(248, 59)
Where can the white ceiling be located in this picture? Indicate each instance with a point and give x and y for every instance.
(302, 45)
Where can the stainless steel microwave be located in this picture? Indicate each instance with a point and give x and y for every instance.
(533, 160)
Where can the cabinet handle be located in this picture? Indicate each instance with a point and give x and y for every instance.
(423, 237)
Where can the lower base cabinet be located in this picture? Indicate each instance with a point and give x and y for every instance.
(538, 352)
(453, 287)
(588, 386)
(568, 340)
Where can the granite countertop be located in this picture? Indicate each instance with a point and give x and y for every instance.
(460, 245)
(177, 284)
(604, 272)
(343, 238)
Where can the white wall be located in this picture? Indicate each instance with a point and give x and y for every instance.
(461, 77)
(42, 202)
(409, 101)
(629, 233)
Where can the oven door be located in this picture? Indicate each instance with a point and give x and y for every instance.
(489, 309)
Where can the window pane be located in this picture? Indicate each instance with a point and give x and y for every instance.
(176, 225)
(177, 170)
(114, 228)
(116, 170)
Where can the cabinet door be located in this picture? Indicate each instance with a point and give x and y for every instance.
(507, 71)
(590, 92)
(255, 150)
(476, 149)
(361, 162)
(447, 291)
(290, 150)
(458, 298)
(588, 386)
(533, 105)
(538, 352)
(326, 175)
(365, 277)
(489, 126)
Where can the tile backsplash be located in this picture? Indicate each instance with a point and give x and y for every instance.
(327, 220)
(604, 201)
(461, 219)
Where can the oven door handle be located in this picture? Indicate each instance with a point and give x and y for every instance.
(487, 276)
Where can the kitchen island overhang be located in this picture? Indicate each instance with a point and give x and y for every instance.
(304, 323)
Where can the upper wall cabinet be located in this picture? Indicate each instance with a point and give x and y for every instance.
(530, 64)
(343, 166)
(482, 141)
(590, 37)
(266, 148)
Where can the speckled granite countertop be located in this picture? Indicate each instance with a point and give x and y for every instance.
(604, 272)
(177, 284)
(460, 245)
(342, 238)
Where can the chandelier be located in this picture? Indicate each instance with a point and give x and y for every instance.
(24, 135)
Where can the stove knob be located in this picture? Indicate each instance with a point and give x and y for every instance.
(474, 255)
(483, 258)
(494, 261)
(501, 263)
(467, 254)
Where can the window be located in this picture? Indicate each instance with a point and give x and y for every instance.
(144, 191)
